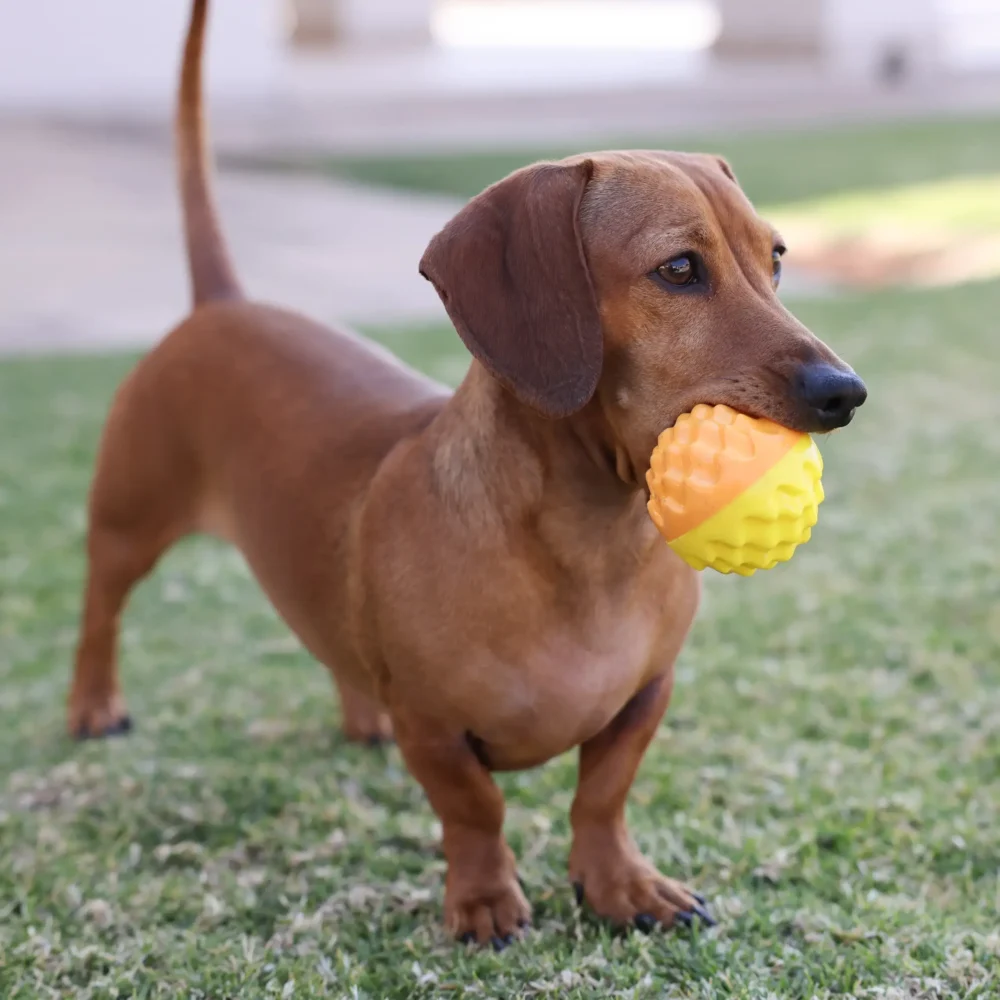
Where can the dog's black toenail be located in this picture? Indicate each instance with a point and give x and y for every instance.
(500, 943)
(683, 917)
(644, 922)
(698, 896)
(117, 728)
(706, 918)
(467, 938)
(578, 892)
(121, 727)
(523, 923)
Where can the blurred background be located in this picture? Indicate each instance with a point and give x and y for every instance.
(858, 123)
(829, 771)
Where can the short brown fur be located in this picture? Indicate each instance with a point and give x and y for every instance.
(477, 569)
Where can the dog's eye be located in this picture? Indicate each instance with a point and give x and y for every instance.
(776, 254)
(679, 271)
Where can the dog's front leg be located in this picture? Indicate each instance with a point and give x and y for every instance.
(605, 865)
(483, 900)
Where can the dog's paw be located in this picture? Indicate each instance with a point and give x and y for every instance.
(624, 888)
(495, 914)
(97, 719)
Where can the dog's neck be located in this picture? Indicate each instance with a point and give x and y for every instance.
(571, 481)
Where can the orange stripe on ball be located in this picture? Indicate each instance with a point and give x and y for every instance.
(706, 460)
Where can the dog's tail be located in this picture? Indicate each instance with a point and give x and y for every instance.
(212, 274)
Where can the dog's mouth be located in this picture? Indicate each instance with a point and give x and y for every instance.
(830, 426)
(815, 399)
(807, 407)
(792, 418)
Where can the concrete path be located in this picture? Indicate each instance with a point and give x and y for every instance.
(91, 255)
(437, 98)
(472, 99)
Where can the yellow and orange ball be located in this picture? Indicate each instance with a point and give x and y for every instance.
(734, 493)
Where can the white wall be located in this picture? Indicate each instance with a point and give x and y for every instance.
(850, 38)
(69, 55)
(860, 33)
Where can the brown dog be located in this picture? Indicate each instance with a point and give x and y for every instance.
(477, 570)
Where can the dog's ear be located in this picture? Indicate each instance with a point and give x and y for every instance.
(726, 168)
(511, 271)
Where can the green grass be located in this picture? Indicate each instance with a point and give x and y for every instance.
(829, 773)
(772, 167)
(959, 205)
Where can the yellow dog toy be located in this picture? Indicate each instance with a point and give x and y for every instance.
(732, 492)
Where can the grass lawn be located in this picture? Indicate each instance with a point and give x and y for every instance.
(829, 773)
(774, 168)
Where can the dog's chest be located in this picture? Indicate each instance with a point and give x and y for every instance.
(562, 690)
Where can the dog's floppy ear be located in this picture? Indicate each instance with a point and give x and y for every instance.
(511, 271)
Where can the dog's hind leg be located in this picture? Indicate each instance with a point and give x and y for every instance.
(116, 564)
(140, 504)
(364, 719)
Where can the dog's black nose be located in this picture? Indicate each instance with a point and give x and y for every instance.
(832, 394)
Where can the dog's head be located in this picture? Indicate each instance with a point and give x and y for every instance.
(643, 282)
